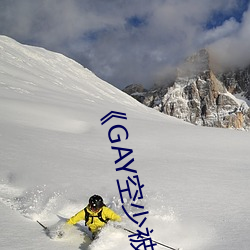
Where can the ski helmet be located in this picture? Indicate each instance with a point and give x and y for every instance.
(95, 202)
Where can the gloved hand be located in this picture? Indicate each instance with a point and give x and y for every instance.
(62, 230)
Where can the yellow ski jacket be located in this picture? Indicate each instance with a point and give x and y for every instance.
(94, 223)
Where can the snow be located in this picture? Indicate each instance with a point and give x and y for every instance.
(55, 154)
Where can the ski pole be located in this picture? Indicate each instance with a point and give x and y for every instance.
(45, 228)
(157, 242)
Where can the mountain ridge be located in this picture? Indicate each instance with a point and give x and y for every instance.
(201, 95)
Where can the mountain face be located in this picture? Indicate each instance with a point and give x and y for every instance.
(237, 81)
(200, 96)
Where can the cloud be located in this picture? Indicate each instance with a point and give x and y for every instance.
(123, 42)
(228, 28)
(233, 49)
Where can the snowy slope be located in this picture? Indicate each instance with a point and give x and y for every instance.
(55, 154)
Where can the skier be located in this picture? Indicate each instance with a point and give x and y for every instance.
(95, 214)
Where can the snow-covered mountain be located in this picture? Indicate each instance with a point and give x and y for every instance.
(55, 154)
(201, 95)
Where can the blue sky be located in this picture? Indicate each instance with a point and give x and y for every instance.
(218, 17)
(131, 41)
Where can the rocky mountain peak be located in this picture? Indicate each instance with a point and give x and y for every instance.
(196, 64)
(200, 96)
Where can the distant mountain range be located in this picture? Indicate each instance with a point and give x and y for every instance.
(202, 94)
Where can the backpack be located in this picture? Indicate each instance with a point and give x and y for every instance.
(99, 216)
